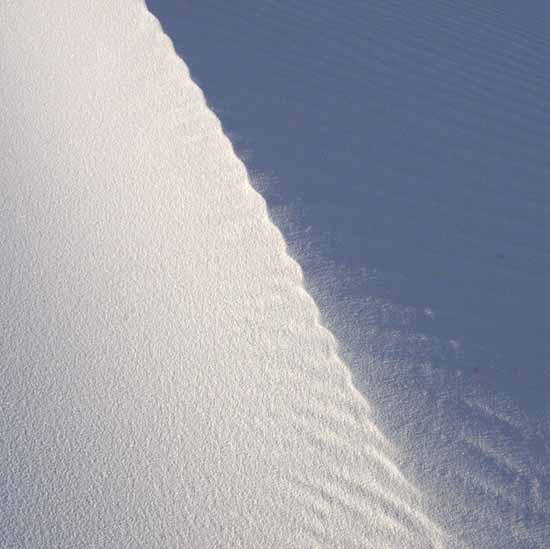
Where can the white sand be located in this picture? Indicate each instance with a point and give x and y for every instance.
(165, 379)
(403, 150)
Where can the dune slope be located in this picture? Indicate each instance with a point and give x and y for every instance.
(165, 378)
(403, 150)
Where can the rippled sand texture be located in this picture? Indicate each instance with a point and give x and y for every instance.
(403, 150)
(165, 378)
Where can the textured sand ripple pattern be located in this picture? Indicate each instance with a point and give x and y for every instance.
(166, 381)
(403, 150)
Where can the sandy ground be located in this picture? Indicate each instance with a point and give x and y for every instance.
(402, 149)
(166, 381)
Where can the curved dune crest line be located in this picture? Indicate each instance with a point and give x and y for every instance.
(165, 378)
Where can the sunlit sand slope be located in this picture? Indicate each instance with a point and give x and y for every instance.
(165, 378)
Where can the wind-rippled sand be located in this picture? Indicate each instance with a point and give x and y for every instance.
(403, 150)
(165, 378)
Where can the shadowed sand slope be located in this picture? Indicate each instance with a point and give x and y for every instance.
(165, 378)
(403, 150)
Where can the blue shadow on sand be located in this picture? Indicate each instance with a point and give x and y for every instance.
(404, 151)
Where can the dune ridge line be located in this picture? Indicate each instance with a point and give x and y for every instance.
(167, 381)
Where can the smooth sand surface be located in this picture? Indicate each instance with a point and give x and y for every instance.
(403, 150)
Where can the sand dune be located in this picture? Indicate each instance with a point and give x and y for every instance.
(166, 381)
(402, 148)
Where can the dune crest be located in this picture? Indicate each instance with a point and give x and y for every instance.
(165, 378)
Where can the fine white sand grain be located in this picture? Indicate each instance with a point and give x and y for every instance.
(165, 380)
